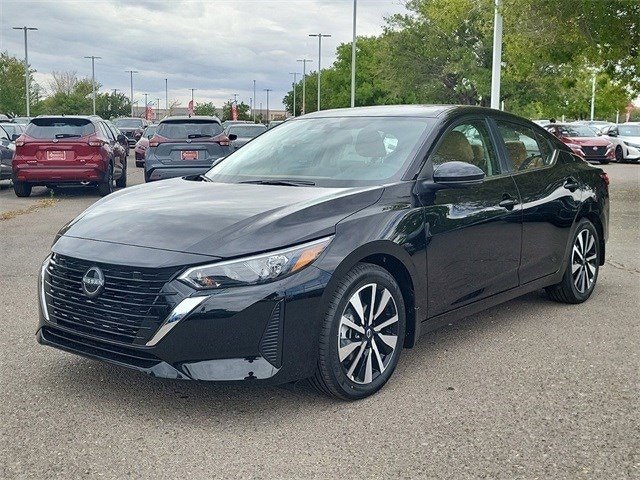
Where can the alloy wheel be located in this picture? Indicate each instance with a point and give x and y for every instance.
(368, 333)
(584, 261)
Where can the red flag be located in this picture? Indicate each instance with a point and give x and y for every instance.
(234, 112)
(147, 113)
(190, 107)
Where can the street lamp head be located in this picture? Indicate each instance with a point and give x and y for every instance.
(25, 28)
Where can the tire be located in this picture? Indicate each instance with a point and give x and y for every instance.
(22, 189)
(105, 187)
(358, 355)
(581, 273)
(619, 154)
(122, 181)
(139, 164)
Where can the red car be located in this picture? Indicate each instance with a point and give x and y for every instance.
(143, 144)
(584, 141)
(59, 150)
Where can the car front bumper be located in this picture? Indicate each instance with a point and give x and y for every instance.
(264, 332)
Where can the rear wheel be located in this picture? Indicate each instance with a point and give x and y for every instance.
(22, 189)
(105, 187)
(581, 274)
(619, 154)
(362, 334)
(122, 181)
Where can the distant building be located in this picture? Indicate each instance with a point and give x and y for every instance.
(158, 114)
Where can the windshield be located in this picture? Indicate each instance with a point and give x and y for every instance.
(577, 131)
(346, 151)
(184, 129)
(59, 128)
(629, 130)
(151, 130)
(128, 122)
(247, 130)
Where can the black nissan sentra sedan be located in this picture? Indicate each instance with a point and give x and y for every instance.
(325, 246)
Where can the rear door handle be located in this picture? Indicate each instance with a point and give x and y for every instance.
(571, 184)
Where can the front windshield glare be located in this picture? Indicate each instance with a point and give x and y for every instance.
(327, 151)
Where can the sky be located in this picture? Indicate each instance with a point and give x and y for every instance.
(217, 47)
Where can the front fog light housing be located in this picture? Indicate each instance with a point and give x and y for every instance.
(257, 269)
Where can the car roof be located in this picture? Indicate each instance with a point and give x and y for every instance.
(389, 110)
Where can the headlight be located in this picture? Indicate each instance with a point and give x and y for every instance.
(262, 268)
(631, 144)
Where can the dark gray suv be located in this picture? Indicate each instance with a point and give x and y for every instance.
(185, 146)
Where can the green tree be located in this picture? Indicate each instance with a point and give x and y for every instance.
(112, 105)
(205, 109)
(12, 86)
(243, 111)
(76, 102)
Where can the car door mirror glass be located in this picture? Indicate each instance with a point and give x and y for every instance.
(233, 136)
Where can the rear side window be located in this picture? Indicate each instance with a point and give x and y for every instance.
(184, 129)
(50, 128)
(526, 150)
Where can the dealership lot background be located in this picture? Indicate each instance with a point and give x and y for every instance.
(528, 389)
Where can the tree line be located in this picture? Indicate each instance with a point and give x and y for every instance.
(441, 52)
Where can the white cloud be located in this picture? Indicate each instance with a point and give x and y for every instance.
(218, 46)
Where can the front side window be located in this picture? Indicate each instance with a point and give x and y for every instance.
(526, 150)
(338, 151)
(468, 142)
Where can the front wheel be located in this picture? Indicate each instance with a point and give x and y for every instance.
(619, 154)
(362, 334)
(581, 274)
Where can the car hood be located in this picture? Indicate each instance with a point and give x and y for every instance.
(218, 219)
(588, 141)
(627, 138)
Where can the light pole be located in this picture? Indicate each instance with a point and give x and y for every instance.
(268, 90)
(353, 57)
(166, 94)
(593, 95)
(253, 110)
(193, 105)
(146, 104)
(131, 72)
(304, 84)
(26, 66)
(319, 35)
(157, 109)
(497, 57)
(93, 80)
(295, 74)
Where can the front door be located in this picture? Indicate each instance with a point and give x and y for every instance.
(473, 233)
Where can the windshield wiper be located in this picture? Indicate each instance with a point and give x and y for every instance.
(67, 135)
(199, 135)
(282, 181)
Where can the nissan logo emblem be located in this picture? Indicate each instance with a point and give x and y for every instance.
(595, 148)
(93, 282)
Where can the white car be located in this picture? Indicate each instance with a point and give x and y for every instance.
(626, 138)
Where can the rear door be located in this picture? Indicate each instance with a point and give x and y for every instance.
(550, 193)
(473, 233)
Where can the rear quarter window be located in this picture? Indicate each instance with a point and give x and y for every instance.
(50, 128)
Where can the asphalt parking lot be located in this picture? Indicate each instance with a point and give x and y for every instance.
(529, 389)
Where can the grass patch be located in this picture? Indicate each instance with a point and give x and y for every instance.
(40, 204)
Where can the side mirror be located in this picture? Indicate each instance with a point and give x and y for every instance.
(121, 138)
(15, 136)
(232, 137)
(457, 174)
(613, 133)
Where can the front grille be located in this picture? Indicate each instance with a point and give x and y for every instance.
(594, 152)
(94, 348)
(129, 310)
(129, 134)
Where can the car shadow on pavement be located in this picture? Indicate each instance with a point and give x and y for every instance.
(119, 388)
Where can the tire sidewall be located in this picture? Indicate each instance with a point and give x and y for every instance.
(366, 274)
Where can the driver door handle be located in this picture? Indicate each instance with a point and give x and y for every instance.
(508, 202)
(571, 184)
